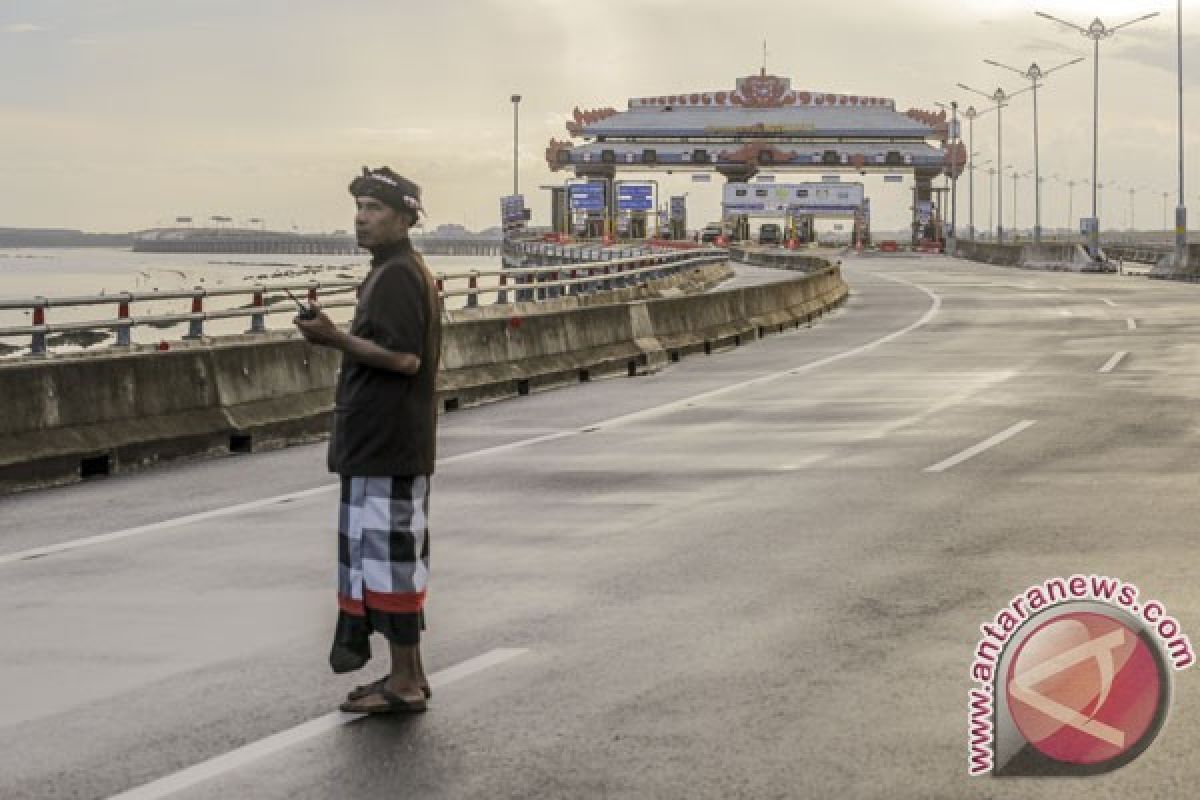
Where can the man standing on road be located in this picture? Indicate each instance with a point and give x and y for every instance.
(382, 445)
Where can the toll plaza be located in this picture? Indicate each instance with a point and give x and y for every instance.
(761, 125)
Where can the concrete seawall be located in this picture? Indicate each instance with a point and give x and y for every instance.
(74, 417)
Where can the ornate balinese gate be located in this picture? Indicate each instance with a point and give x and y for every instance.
(761, 124)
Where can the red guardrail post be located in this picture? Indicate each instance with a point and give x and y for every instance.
(258, 321)
(473, 285)
(502, 294)
(123, 333)
(196, 325)
(38, 346)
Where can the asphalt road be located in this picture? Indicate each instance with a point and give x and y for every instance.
(759, 573)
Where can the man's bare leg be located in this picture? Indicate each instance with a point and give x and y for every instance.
(404, 682)
(422, 679)
(407, 676)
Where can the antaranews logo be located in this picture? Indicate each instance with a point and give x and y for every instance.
(1073, 677)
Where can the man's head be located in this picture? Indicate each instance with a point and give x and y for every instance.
(388, 205)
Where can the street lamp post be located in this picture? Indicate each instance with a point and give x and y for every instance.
(1071, 204)
(1096, 31)
(516, 101)
(1000, 98)
(1034, 74)
(1016, 176)
(970, 114)
(1181, 253)
(991, 194)
(971, 200)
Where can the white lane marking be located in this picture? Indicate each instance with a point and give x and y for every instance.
(62, 547)
(176, 522)
(1108, 302)
(1131, 324)
(1066, 312)
(503, 448)
(962, 395)
(986, 444)
(1111, 364)
(247, 754)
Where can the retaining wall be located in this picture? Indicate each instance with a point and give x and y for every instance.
(71, 417)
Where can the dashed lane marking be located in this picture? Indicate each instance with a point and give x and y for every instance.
(1112, 363)
(986, 444)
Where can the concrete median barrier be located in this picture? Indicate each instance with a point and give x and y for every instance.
(1051, 256)
(73, 417)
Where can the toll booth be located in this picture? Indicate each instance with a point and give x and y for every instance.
(801, 228)
(800, 205)
(637, 225)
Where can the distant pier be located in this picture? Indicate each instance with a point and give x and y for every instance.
(225, 240)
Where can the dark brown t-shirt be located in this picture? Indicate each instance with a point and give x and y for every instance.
(384, 422)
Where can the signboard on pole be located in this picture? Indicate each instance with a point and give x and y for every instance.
(635, 197)
(586, 196)
(925, 212)
(679, 207)
(512, 213)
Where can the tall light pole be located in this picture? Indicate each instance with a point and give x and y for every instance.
(1181, 253)
(1015, 176)
(1096, 31)
(1071, 204)
(1000, 98)
(991, 194)
(516, 101)
(1034, 74)
(971, 114)
(971, 199)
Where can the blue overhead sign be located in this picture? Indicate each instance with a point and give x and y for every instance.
(635, 197)
(587, 196)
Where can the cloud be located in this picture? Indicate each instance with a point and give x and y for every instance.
(21, 27)
(404, 134)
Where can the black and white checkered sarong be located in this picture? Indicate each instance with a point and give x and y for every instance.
(383, 553)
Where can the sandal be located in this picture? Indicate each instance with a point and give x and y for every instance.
(374, 686)
(393, 703)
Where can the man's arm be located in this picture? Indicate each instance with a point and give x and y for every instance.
(321, 331)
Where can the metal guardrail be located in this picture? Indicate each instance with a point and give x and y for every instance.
(526, 284)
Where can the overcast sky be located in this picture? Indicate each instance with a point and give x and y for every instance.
(123, 114)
